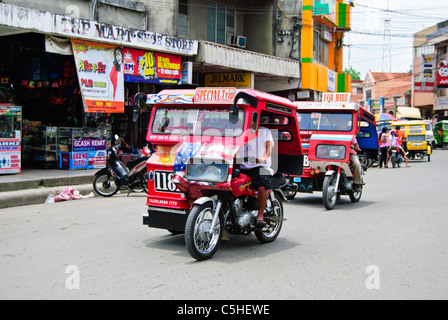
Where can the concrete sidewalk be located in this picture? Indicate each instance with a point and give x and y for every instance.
(32, 186)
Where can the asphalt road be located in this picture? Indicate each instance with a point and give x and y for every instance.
(393, 244)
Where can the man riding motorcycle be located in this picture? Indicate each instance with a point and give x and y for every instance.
(260, 172)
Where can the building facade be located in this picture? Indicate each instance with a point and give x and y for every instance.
(287, 47)
(439, 40)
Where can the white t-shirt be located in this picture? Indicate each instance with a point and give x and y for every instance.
(256, 148)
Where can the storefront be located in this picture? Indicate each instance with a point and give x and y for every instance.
(75, 80)
(10, 138)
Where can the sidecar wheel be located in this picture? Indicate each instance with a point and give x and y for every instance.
(274, 221)
(329, 192)
(355, 196)
(202, 244)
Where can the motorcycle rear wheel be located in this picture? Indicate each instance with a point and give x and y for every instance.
(105, 185)
(274, 221)
(200, 243)
(143, 183)
(329, 192)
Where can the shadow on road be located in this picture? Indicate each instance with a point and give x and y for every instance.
(237, 249)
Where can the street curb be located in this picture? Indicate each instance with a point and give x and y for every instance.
(46, 182)
(38, 195)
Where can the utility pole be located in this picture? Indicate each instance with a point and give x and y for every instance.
(387, 57)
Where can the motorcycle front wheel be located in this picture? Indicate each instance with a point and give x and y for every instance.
(329, 192)
(105, 185)
(200, 243)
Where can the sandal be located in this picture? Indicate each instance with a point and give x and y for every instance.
(260, 224)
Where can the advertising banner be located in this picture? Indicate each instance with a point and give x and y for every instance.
(100, 74)
(442, 74)
(10, 150)
(151, 67)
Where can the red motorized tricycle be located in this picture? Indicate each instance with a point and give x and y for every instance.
(195, 185)
(326, 130)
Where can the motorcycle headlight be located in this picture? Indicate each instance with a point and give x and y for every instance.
(330, 152)
(214, 172)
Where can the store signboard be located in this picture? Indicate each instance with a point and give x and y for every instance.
(326, 8)
(89, 144)
(242, 80)
(440, 103)
(151, 67)
(101, 77)
(10, 150)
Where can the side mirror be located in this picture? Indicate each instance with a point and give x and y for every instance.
(236, 173)
(233, 111)
(136, 112)
(233, 114)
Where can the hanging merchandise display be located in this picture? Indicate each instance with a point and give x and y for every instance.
(100, 74)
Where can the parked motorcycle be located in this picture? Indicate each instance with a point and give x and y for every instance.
(116, 176)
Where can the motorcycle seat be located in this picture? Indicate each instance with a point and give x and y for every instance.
(278, 180)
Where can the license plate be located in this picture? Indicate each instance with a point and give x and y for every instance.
(163, 182)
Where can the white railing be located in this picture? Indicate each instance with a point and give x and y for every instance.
(225, 56)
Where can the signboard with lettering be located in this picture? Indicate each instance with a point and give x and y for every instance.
(89, 145)
(151, 67)
(214, 95)
(336, 97)
(326, 8)
(230, 80)
(100, 74)
(120, 35)
(10, 151)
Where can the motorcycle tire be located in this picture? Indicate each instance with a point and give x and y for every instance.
(290, 195)
(105, 185)
(329, 192)
(274, 221)
(201, 244)
(355, 196)
(376, 162)
(143, 183)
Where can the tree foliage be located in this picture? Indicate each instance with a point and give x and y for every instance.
(356, 75)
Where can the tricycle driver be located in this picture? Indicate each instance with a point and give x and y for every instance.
(342, 125)
(257, 165)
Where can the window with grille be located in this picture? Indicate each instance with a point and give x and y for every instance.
(220, 22)
(183, 18)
